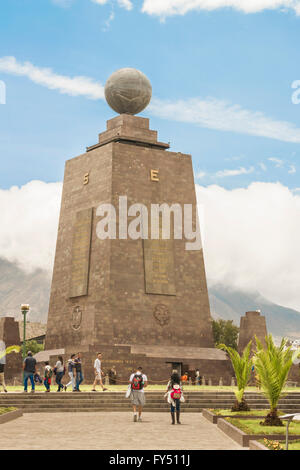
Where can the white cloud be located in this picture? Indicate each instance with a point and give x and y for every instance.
(29, 220)
(278, 163)
(108, 22)
(251, 239)
(127, 4)
(221, 115)
(75, 86)
(263, 166)
(100, 2)
(237, 172)
(164, 8)
(201, 174)
(292, 169)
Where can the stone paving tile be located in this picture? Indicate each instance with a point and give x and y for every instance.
(41, 431)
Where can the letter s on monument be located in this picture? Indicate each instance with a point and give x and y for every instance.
(2, 92)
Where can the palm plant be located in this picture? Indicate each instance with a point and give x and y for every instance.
(242, 365)
(272, 365)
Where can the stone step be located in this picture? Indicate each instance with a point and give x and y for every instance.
(47, 398)
(108, 410)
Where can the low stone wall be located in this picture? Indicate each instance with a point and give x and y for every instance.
(255, 445)
(10, 416)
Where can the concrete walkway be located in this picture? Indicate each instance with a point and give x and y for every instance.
(112, 431)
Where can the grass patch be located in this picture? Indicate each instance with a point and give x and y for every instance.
(7, 410)
(240, 413)
(252, 426)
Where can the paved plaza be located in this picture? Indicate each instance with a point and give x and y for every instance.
(112, 431)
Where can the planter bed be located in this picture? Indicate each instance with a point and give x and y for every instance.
(244, 430)
(293, 444)
(214, 415)
(8, 414)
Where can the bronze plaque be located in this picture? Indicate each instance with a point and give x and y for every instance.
(159, 267)
(81, 253)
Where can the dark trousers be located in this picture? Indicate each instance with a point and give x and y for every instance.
(177, 406)
(79, 379)
(28, 375)
(59, 376)
(46, 383)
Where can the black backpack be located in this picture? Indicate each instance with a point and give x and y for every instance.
(137, 382)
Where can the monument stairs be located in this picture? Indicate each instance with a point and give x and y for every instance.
(110, 401)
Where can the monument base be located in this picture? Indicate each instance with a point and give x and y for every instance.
(157, 362)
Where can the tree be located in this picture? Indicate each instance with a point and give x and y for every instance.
(242, 366)
(225, 332)
(272, 365)
(33, 346)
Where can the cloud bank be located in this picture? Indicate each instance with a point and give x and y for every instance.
(74, 86)
(164, 8)
(250, 236)
(251, 239)
(29, 221)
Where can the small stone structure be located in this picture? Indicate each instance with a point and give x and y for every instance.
(10, 336)
(251, 325)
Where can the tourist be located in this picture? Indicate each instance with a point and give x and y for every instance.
(2, 381)
(112, 375)
(198, 377)
(29, 368)
(98, 373)
(59, 371)
(71, 372)
(138, 382)
(47, 376)
(184, 378)
(78, 369)
(174, 396)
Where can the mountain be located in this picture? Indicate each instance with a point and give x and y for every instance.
(231, 304)
(17, 287)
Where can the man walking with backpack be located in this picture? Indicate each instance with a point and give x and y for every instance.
(138, 382)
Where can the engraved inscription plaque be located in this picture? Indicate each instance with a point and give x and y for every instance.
(159, 267)
(81, 253)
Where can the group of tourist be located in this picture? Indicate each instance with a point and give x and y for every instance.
(73, 368)
(138, 381)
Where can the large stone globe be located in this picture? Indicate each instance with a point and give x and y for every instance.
(128, 91)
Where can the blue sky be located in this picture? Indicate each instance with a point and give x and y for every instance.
(223, 61)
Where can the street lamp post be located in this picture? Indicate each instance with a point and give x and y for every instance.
(24, 310)
(289, 418)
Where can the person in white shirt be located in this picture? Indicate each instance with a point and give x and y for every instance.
(138, 382)
(98, 374)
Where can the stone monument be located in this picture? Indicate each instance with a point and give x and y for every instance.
(139, 301)
(251, 325)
